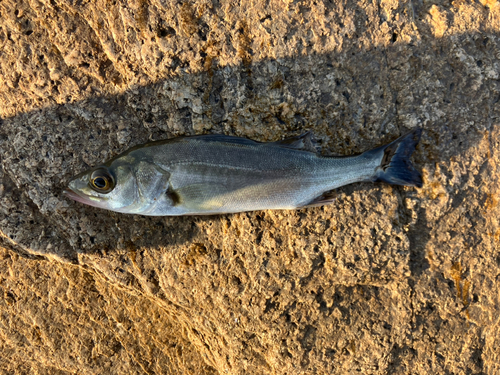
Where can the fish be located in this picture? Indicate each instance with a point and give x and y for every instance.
(220, 174)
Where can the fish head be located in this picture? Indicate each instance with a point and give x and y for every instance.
(124, 184)
(111, 187)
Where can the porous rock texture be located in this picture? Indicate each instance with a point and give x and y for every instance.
(384, 280)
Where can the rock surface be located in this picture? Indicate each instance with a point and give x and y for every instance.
(385, 280)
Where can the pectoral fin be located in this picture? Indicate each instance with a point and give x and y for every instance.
(200, 197)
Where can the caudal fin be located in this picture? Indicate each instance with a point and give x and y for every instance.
(396, 167)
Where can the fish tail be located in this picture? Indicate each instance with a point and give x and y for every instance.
(396, 167)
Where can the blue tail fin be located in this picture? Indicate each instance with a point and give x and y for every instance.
(396, 167)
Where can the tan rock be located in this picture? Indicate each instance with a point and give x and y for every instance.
(385, 280)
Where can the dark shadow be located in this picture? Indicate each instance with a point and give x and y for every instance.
(41, 150)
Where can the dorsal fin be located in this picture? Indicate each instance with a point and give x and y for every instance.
(222, 138)
(303, 142)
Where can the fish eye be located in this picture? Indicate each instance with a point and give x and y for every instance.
(102, 181)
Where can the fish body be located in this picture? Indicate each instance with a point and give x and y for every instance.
(215, 174)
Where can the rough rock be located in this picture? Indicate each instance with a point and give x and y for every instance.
(384, 280)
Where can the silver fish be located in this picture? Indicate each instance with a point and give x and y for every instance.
(215, 174)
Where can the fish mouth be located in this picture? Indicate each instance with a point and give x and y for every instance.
(71, 194)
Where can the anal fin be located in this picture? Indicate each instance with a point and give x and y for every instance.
(325, 198)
